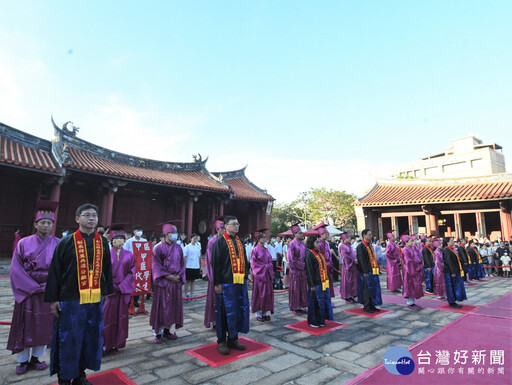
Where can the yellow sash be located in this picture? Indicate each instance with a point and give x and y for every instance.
(373, 259)
(89, 280)
(237, 261)
(322, 268)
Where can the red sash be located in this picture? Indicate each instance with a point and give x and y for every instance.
(89, 280)
(458, 260)
(373, 260)
(237, 261)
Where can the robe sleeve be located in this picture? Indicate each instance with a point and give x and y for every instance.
(258, 265)
(311, 268)
(293, 258)
(363, 259)
(23, 286)
(158, 267)
(127, 285)
(182, 266)
(53, 282)
(449, 262)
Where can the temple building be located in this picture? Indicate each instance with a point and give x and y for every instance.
(126, 188)
(469, 195)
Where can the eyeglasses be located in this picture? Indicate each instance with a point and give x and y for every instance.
(233, 224)
(89, 215)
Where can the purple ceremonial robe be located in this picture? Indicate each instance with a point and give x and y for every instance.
(167, 306)
(115, 308)
(439, 284)
(394, 277)
(263, 273)
(298, 293)
(413, 277)
(209, 309)
(349, 272)
(32, 318)
(324, 248)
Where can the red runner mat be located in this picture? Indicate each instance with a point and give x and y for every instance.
(210, 355)
(359, 311)
(112, 377)
(486, 339)
(463, 309)
(502, 307)
(304, 327)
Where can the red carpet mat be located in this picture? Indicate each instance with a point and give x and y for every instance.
(304, 327)
(212, 357)
(464, 309)
(502, 307)
(484, 338)
(423, 302)
(359, 311)
(471, 284)
(112, 377)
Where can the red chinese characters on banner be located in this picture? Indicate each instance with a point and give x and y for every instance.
(143, 254)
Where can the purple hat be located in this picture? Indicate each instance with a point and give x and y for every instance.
(390, 235)
(405, 238)
(414, 237)
(295, 228)
(422, 237)
(117, 230)
(46, 210)
(219, 222)
(258, 234)
(169, 227)
(345, 236)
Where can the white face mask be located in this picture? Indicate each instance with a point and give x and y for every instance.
(174, 237)
(64, 233)
(138, 234)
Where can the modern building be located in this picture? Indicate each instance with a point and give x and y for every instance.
(468, 195)
(126, 188)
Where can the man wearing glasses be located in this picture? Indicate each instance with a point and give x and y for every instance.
(230, 272)
(80, 276)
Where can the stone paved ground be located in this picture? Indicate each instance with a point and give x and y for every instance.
(297, 357)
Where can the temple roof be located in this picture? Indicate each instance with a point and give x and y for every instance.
(20, 149)
(242, 187)
(401, 192)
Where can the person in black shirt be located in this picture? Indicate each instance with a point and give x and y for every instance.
(428, 261)
(463, 255)
(453, 272)
(369, 292)
(230, 271)
(84, 257)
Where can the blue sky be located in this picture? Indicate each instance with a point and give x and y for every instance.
(308, 94)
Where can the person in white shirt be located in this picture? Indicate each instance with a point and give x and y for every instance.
(192, 255)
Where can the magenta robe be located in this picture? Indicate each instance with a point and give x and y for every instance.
(209, 309)
(349, 272)
(394, 277)
(167, 308)
(32, 318)
(413, 273)
(115, 308)
(324, 248)
(439, 284)
(263, 273)
(298, 293)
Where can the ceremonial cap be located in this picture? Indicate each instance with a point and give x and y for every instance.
(117, 230)
(258, 234)
(295, 228)
(405, 238)
(219, 222)
(422, 237)
(170, 226)
(46, 210)
(321, 228)
(390, 235)
(414, 237)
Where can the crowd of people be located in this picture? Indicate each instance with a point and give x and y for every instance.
(73, 294)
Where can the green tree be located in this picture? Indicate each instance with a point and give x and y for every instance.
(283, 216)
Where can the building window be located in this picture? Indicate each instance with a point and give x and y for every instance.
(476, 163)
(417, 173)
(431, 171)
(454, 167)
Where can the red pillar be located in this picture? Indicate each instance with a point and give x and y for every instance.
(506, 225)
(182, 216)
(55, 196)
(221, 208)
(190, 216)
(458, 227)
(410, 224)
(109, 208)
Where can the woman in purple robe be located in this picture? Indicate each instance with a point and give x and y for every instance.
(115, 308)
(263, 272)
(168, 279)
(349, 272)
(298, 292)
(439, 283)
(209, 309)
(394, 276)
(32, 319)
(413, 277)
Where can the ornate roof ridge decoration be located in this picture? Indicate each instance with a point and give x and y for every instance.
(226, 176)
(66, 137)
(25, 139)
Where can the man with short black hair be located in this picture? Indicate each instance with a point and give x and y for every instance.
(80, 276)
(369, 284)
(463, 255)
(230, 272)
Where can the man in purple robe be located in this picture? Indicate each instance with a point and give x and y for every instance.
(324, 248)
(394, 277)
(115, 308)
(349, 272)
(413, 273)
(263, 272)
(209, 310)
(31, 327)
(168, 279)
(298, 292)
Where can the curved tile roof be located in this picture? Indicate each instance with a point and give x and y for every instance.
(19, 154)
